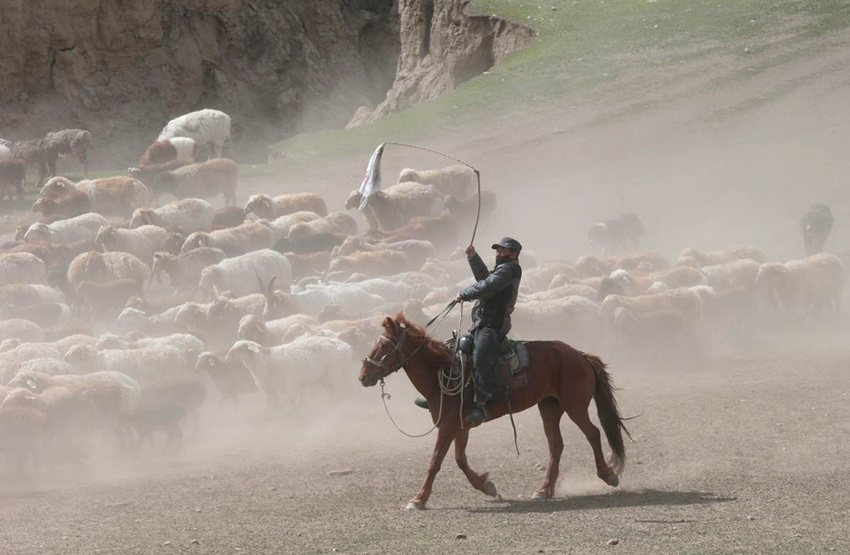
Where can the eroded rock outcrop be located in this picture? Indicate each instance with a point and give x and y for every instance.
(443, 46)
(123, 68)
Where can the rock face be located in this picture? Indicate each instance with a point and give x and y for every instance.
(442, 47)
(123, 68)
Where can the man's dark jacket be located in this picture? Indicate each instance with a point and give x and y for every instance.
(495, 293)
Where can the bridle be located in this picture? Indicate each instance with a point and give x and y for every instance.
(381, 364)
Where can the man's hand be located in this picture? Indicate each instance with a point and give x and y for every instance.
(470, 251)
(457, 298)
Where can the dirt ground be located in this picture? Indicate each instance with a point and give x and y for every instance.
(742, 451)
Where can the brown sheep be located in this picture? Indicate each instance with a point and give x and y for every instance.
(268, 208)
(72, 142)
(67, 203)
(371, 263)
(202, 180)
(104, 298)
(227, 217)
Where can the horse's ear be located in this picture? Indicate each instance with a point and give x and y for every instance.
(389, 323)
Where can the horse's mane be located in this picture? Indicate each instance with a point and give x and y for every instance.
(434, 352)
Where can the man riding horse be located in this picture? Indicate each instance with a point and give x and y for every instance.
(495, 294)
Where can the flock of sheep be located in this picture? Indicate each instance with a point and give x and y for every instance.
(117, 319)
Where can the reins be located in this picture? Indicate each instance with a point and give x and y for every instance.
(443, 378)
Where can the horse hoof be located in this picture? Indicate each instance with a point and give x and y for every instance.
(612, 480)
(539, 495)
(490, 489)
(415, 506)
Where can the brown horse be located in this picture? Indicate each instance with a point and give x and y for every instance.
(560, 380)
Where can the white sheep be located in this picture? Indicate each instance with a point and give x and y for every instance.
(737, 273)
(206, 127)
(21, 267)
(192, 214)
(21, 330)
(145, 364)
(245, 238)
(270, 208)
(458, 180)
(684, 300)
(574, 319)
(270, 333)
(239, 275)
(142, 242)
(84, 226)
(286, 371)
(803, 286)
(396, 206)
(11, 360)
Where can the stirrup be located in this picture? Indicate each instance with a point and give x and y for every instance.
(479, 414)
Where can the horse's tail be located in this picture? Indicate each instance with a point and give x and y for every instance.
(609, 413)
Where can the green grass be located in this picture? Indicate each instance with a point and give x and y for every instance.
(582, 45)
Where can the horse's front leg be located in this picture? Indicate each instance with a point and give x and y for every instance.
(478, 481)
(444, 440)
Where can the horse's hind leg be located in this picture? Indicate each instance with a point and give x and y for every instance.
(591, 432)
(478, 481)
(551, 412)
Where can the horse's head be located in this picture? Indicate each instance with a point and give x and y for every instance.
(386, 355)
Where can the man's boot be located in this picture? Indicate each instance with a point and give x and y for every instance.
(421, 403)
(479, 414)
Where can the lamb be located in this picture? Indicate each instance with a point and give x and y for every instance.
(104, 298)
(619, 233)
(240, 275)
(210, 128)
(145, 364)
(111, 195)
(282, 225)
(73, 229)
(202, 180)
(13, 174)
(718, 257)
(816, 225)
(236, 241)
(268, 208)
(67, 203)
(184, 271)
(21, 294)
(394, 207)
(175, 149)
(458, 180)
(370, 263)
(231, 378)
(191, 214)
(72, 142)
(287, 370)
(39, 152)
(333, 223)
(803, 286)
(22, 330)
(21, 267)
(101, 267)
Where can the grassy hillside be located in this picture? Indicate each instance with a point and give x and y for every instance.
(588, 48)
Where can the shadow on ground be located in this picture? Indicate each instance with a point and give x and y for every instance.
(645, 498)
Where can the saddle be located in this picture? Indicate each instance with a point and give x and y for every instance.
(513, 360)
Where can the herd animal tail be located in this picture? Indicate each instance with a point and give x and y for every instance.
(609, 413)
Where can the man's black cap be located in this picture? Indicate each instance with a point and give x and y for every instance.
(509, 243)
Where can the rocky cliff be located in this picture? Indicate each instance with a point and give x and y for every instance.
(442, 46)
(123, 68)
